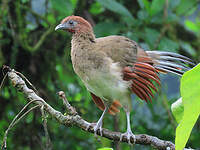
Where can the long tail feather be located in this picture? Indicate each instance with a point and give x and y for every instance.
(170, 62)
(162, 53)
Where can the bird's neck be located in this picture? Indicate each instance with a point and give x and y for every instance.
(81, 44)
(83, 37)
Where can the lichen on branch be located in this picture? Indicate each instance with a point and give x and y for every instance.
(72, 118)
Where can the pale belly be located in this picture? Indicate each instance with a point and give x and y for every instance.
(107, 85)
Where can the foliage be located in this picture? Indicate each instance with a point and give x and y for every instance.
(29, 44)
(105, 148)
(178, 109)
(190, 87)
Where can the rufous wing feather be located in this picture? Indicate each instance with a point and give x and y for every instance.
(142, 75)
(114, 108)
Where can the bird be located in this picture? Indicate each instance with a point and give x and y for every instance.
(114, 67)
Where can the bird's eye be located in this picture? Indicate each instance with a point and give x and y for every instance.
(71, 22)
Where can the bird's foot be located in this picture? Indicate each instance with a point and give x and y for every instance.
(96, 126)
(89, 126)
(128, 134)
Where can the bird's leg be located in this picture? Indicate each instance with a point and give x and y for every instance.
(99, 123)
(128, 132)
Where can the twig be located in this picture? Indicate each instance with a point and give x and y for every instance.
(15, 121)
(22, 116)
(27, 81)
(4, 68)
(48, 140)
(3, 81)
(41, 39)
(35, 14)
(37, 138)
(76, 120)
(36, 46)
(71, 110)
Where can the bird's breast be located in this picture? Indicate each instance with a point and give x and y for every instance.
(82, 60)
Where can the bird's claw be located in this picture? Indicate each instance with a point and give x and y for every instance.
(128, 134)
(90, 125)
(95, 126)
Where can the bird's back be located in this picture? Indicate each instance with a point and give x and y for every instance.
(119, 48)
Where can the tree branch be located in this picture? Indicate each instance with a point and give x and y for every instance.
(72, 118)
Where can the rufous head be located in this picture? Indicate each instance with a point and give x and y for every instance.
(74, 24)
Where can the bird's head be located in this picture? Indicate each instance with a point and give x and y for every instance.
(74, 24)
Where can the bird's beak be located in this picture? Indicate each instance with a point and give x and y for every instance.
(61, 26)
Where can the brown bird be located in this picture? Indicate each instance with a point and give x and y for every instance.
(114, 67)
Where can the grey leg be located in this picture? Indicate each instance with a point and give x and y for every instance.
(128, 132)
(99, 123)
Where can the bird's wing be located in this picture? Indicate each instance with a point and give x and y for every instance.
(119, 48)
(114, 108)
(144, 72)
(142, 67)
(135, 63)
(137, 69)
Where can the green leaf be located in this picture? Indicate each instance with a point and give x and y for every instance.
(141, 3)
(173, 3)
(24, 1)
(188, 48)
(177, 109)
(74, 3)
(116, 7)
(142, 15)
(105, 148)
(63, 7)
(190, 87)
(168, 45)
(107, 28)
(147, 5)
(185, 6)
(96, 8)
(195, 27)
(151, 35)
(51, 18)
(78, 97)
(156, 6)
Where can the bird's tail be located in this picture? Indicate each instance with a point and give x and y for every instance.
(165, 62)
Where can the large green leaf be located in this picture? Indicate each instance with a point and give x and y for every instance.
(190, 87)
(105, 148)
(177, 110)
(115, 7)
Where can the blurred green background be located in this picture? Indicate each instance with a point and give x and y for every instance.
(29, 44)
